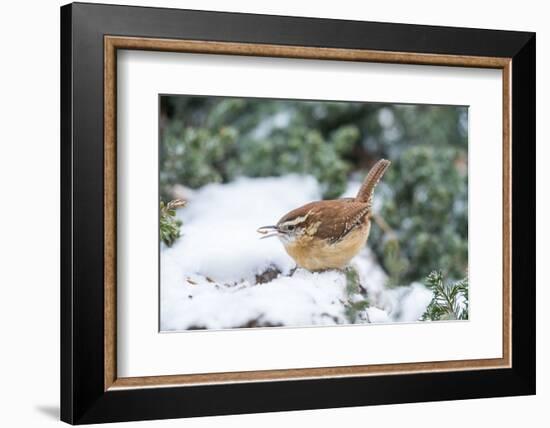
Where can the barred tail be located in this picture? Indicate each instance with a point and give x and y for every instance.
(375, 174)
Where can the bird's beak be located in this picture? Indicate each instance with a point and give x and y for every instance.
(268, 231)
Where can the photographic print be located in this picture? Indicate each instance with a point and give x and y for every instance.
(299, 213)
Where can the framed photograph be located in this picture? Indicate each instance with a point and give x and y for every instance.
(265, 213)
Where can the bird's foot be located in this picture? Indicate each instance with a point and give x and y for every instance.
(293, 270)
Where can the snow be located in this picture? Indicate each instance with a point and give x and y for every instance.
(209, 278)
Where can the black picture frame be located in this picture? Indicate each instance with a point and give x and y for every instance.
(83, 396)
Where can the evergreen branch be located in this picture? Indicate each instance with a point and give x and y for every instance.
(169, 224)
(450, 300)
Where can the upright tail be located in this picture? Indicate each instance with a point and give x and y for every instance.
(375, 174)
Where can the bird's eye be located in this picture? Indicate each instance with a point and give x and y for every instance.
(291, 227)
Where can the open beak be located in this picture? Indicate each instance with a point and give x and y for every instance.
(268, 231)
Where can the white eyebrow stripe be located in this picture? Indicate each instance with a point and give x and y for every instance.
(297, 220)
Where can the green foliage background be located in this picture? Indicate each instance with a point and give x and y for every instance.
(423, 198)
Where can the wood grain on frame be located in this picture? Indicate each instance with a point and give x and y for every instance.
(109, 198)
(112, 43)
(507, 213)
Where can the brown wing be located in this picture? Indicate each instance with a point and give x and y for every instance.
(338, 218)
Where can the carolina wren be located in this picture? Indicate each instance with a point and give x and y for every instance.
(328, 234)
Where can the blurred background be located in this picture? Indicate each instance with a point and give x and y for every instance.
(421, 205)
